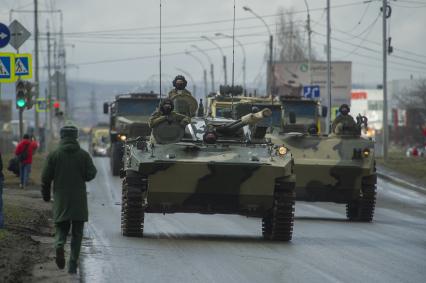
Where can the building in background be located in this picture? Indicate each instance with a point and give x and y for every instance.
(294, 78)
(368, 103)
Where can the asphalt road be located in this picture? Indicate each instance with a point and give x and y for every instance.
(230, 248)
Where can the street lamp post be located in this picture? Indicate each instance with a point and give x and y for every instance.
(204, 71)
(210, 62)
(271, 82)
(223, 56)
(308, 27)
(244, 55)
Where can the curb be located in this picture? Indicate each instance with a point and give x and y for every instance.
(402, 182)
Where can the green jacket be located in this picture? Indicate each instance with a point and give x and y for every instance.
(175, 92)
(69, 167)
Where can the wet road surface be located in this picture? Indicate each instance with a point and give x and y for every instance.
(230, 248)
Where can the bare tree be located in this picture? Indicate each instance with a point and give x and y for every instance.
(415, 98)
(414, 102)
(290, 38)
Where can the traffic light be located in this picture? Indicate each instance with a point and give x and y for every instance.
(57, 107)
(29, 93)
(24, 95)
(21, 99)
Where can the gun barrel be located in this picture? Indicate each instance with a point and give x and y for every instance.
(249, 119)
(253, 118)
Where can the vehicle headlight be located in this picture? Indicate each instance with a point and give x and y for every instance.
(282, 150)
(122, 137)
(366, 152)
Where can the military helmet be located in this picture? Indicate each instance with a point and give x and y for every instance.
(342, 107)
(180, 77)
(166, 101)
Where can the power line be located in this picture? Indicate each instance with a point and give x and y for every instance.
(136, 58)
(378, 52)
(376, 43)
(356, 3)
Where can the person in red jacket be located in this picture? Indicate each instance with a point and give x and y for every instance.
(25, 150)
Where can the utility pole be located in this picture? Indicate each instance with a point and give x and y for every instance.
(36, 67)
(244, 55)
(385, 98)
(210, 62)
(49, 79)
(328, 122)
(270, 85)
(223, 56)
(308, 27)
(204, 71)
(206, 90)
(271, 67)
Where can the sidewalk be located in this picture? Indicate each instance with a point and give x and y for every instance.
(401, 179)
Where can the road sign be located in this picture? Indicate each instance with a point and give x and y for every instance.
(311, 91)
(23, 66)
(4, 35)
(18, 34)
(41, 105)
(7, 68)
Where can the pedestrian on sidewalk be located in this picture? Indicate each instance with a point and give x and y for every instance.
(69, 167)
(1, 193)
(24, 151)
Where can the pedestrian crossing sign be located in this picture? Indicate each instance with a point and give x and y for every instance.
(23, 66)
(7, 67)
(42, 105)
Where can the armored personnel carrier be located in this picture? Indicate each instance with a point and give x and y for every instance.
(128, 118)
(212, 165)
(339, 167)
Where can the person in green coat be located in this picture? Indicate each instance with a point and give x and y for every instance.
(69, 168)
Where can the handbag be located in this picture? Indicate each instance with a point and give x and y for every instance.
(14, 166)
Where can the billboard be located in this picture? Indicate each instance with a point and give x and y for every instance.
(292, 78)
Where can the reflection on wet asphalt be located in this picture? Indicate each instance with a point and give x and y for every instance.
(230, 248)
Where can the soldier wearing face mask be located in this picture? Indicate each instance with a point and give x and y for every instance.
(179, 84)
(344, 123)
(166, 113)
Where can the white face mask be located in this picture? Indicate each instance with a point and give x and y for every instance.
(179, 91)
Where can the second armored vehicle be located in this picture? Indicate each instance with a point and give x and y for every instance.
(339, 167)
(209, 166)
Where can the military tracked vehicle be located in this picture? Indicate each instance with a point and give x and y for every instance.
(339, 167)
(128, 118)
(213, 165)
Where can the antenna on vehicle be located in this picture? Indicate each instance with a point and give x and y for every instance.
(161, 94)
(233, 61)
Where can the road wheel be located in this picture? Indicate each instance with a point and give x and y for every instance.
(132, 211)
(116, 159)
(277, 225)
(362, 209)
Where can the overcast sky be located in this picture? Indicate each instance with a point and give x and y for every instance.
(118, 40)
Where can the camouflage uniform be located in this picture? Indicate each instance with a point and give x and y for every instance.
(175, 92)
(158, 117)
(344, 124)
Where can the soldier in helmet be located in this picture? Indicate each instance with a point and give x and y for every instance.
(183, 101)
(344, 123)
(166, 113)
(179, 84)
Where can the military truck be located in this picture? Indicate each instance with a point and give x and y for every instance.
(213, 165)
(128, 117)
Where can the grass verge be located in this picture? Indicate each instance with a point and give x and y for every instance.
(414, 167)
